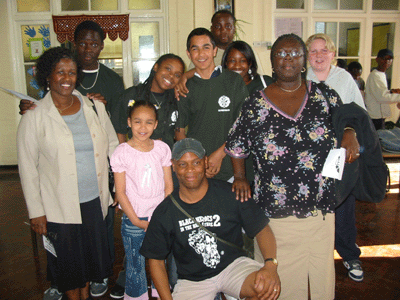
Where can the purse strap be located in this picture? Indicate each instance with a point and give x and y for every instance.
(205, 229)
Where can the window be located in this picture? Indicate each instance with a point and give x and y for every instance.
(338, 4)
(83, 5)
(144, 4)
(382, 38)
(359, 28)
(145, 49)
(132, 59)
(35, 40)
(33, 5)
(385, 5)
(346, 37)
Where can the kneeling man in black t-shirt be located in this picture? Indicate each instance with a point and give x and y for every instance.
(206, 265)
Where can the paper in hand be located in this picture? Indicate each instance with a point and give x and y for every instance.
(20, 95)
(334, 164)
(48, 245)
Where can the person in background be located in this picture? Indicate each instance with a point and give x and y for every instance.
(63, 147)
(102, 84)
(378, 97)
(355, 70)
(143, 178)
(207, 265)
(321, 57)
(288, 129)
(322, 68)
(341, 63)
(239, 57)
(223, 29)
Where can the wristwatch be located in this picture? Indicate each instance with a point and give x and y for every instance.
(273, 260)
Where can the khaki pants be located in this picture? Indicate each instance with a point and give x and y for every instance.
(229, 281)
(305, 253)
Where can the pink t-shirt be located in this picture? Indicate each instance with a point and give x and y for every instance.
(144, 175)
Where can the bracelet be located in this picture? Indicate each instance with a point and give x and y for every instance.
(350, 128)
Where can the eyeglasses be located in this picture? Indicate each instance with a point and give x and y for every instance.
(292, 54)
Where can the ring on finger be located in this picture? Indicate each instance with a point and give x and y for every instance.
(275, 290)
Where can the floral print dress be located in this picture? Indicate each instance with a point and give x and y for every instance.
(289, 153)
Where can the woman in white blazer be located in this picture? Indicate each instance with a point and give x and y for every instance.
(63, 146)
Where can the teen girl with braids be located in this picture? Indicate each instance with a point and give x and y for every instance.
(159, 90)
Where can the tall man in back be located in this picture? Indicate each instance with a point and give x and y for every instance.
(213, 104)
(223, 29)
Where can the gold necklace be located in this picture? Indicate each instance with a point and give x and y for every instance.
(290, 91)
(72, 102)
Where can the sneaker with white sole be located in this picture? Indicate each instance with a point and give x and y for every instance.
(52, 294)
(99, 289)
(117, 292)
(355, 270)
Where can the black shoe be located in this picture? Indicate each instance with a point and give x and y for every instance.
(117, 292)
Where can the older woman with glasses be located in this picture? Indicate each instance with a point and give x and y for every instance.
(288, 129)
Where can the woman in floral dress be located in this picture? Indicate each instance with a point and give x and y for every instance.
(288, 129)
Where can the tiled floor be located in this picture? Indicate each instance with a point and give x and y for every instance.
(24, 277)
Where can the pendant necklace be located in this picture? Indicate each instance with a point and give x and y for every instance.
(158, 105)
(95, 80)
(72, 102)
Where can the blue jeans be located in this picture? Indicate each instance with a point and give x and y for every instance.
(132, 236)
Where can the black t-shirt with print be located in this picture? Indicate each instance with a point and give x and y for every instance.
(198, 255)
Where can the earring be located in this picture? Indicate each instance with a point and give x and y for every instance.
(303, 70)
(48, 86)
(250, 72)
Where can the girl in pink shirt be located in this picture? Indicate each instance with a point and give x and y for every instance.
(143, 178)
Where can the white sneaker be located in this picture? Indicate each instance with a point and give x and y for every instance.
(52, 294)
(99, 289)
(355, 270)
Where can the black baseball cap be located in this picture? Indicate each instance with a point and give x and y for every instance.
(384, 52)
(187, 145)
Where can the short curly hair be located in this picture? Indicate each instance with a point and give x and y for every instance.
(47, 62)
(89, 25)
(290, 36)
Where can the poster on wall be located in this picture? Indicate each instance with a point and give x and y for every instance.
(288, 25)
(36, 47)
(224, 5)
